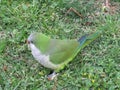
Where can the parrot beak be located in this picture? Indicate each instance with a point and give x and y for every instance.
(28, 42)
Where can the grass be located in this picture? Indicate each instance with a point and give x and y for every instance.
(96, 67)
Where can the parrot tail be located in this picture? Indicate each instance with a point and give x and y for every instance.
(88, 38)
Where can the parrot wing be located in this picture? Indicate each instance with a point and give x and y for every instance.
(61, 51)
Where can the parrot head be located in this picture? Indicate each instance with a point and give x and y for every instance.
(30, 38)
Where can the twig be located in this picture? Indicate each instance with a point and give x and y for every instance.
(75, 11)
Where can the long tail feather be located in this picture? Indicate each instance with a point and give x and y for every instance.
(87, 39)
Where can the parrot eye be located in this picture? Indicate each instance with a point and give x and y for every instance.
(31, 41)
(28, 42)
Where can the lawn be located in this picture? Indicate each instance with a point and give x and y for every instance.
(96, 67)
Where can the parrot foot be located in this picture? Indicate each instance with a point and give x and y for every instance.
(52, 76)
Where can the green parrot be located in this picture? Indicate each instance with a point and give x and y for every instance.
(55, 53)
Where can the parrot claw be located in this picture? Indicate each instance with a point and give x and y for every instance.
(52, 76)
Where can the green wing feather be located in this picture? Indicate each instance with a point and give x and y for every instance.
(62, 50)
